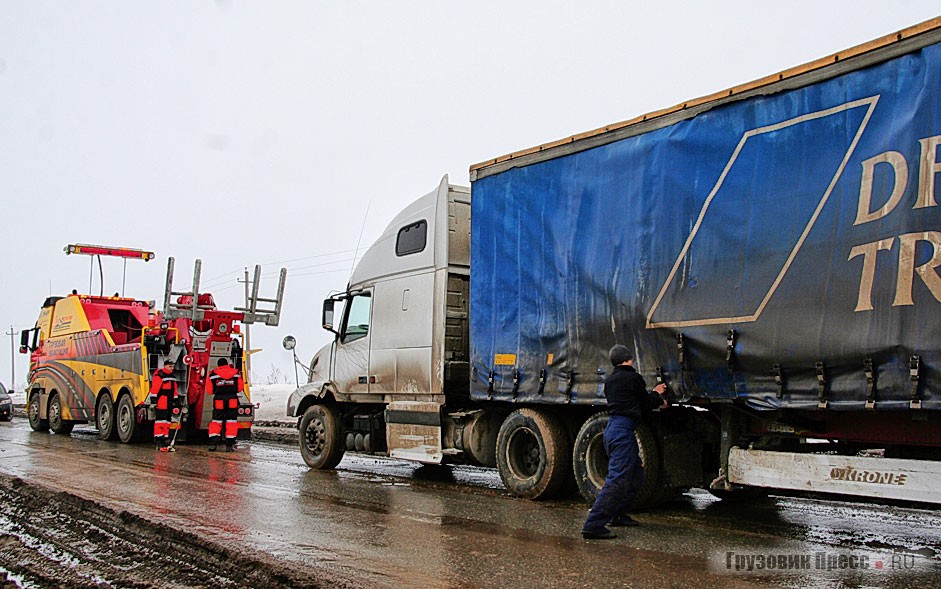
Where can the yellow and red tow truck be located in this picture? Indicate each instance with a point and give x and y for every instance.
(92, 357)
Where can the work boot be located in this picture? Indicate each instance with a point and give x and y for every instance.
(624, 521)
(212, 447)
(230, 447)
(602, 534)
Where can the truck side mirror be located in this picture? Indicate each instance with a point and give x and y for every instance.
(327, 321)
(25, 345)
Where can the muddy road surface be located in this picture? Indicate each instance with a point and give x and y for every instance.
(79, 512)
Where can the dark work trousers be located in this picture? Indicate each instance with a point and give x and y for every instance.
(625, 474)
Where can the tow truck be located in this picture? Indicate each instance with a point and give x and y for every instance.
(92, 356)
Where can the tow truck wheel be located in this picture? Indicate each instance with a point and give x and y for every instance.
(126, 420)
(32, 413)
(104, 417)
(590, 461)
(321, 437)
(533, 454)
(56, 423)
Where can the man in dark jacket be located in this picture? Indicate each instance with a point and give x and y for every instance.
(628, 401)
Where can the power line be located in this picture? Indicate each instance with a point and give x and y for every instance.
(336, 253)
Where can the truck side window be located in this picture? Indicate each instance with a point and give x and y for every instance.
(357, 320)
(412, 238)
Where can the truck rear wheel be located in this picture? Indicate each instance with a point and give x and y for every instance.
(104, 417)
(32, 414)
(533, 454)
(126, 420)
(56, 423)
(590, 461)
(321, 438)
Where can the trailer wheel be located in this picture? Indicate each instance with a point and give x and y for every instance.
(104, 417)
(56, 423)
(126, 420)
(32, 414)
(321, 437)
(533, 454)
(590, 461)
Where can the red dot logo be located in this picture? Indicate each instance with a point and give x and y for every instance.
(879, 565)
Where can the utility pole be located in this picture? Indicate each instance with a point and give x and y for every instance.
(248, 332)
(12, 335)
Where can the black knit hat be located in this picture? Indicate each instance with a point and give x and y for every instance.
(619, 355)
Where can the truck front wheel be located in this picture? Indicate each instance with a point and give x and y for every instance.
(321, 437)
(590, 461)
(533, 454)
(32, 413)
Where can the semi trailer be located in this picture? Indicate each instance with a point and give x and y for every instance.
(770, 252)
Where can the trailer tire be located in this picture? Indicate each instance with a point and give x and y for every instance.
(104, 417)
(321, 437)
(533, 454)
(32, 414)
(590, 461)
(63, 427)
(126, 420)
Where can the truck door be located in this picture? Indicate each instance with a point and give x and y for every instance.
(351, 360)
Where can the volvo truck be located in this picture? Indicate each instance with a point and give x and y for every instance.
(770, 252)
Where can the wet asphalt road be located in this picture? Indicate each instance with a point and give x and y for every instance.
(382, 523)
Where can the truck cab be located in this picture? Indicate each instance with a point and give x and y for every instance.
(401, 333)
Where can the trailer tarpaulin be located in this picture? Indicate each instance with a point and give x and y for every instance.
(783, 248)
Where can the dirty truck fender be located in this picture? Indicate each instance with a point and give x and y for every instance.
(303, 394)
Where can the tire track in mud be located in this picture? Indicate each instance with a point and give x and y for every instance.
(54, 539)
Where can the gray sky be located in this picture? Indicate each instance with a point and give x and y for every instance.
(244, 132)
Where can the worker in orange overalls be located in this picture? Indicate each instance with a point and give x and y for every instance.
(164, 396)
(225, 384)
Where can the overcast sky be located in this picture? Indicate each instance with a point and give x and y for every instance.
(275, 132)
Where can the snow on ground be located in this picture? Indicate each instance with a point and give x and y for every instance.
(272, 400)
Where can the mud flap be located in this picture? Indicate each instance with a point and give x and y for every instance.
(413, 431)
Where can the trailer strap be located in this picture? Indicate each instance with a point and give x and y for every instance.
(681, 349)
(730, 349)
(778, 379)
(870, 384)
(914, 364)
(821, 387)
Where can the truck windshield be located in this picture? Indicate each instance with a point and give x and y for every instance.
(357, 320)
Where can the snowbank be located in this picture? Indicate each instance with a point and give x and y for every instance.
(273, 401)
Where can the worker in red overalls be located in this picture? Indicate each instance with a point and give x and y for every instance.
(164, 396)
(225, 384)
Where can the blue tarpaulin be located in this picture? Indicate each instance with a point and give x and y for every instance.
(794, 234)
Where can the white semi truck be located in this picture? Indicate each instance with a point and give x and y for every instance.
(771, 252)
